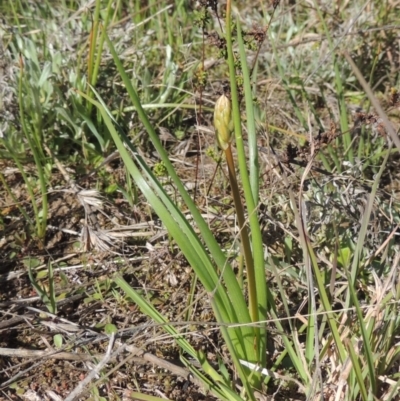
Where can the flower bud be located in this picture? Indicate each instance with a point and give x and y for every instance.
(223, 121)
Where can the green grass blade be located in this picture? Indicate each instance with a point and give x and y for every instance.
(254, 167)
(364, 227)
(252, 201)
(369, 356)
(358, 374)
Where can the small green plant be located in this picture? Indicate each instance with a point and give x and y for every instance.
(160, 169)
(46, 293)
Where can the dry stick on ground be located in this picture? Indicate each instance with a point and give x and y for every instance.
(20, 374)
(24, 303)
(28, 353)
(38, 356)
(134, 351)
(141, 357)
(74, 394)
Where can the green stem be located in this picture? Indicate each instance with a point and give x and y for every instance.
(244, 235)
(255, 270)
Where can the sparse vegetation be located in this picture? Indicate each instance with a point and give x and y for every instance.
(199, 200)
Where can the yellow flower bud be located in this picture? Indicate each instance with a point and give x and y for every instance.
(223, 121)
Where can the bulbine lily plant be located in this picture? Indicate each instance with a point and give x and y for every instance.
(240, 311)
